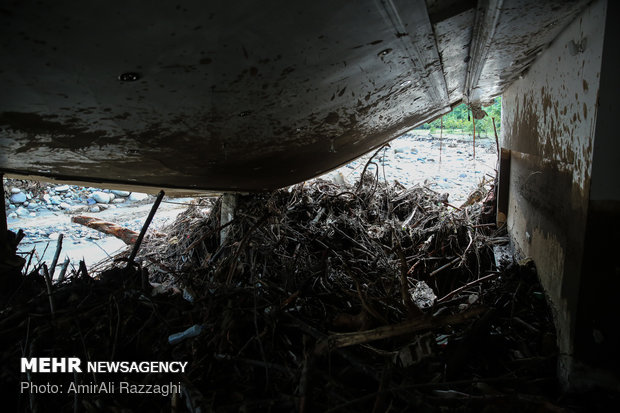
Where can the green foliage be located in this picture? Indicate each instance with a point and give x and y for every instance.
(457, 121)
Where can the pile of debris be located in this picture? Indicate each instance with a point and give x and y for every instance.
(319, 297)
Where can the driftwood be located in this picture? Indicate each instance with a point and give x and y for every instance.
(138, 241)
(272, 300)
(126, 235)
(407, 327)
(56, 255)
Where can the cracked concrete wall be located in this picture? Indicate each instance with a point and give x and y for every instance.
(548, 124)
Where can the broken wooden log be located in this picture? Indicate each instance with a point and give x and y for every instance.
(126, 235)
(145, 227)
(395, 330)
(56, 255)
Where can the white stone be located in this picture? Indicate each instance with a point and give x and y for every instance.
(18, 198)
(53, 236)
(61, 188)
(12, 215)
(94, 208)
(22, 212)
(15, 190)
(101, 197)
(120, 193)
(64, 205)
(137, 196)
(118, 200)
(338, 178)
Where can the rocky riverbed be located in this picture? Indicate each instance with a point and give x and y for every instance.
(25, 202)
(446, 165)
(44, 210)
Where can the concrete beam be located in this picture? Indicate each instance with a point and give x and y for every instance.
(227, 214)
(246, 96)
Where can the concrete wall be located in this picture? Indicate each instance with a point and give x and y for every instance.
(548, 124)
(598, 337)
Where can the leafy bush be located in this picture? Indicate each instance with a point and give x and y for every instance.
(460, 121)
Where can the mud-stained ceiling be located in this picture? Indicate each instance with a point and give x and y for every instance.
(248, 95)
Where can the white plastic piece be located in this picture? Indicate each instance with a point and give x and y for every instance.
(422, 295)
(188, 295)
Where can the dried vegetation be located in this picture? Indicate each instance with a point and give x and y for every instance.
(319, 297)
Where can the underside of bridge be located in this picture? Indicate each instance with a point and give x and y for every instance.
(256, 96)
(202, 95)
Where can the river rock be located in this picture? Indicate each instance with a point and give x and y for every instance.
(101, 197)
(55, 200)
(120, 193)
(22, 212)
(18, 198)
(64, 205)
(137, 196)
(94, 208)
(15, 190)
(61, 188)
(12, 215)
(118, 200)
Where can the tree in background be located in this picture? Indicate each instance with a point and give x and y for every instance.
(459, 120)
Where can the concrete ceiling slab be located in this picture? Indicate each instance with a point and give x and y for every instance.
(247, 96)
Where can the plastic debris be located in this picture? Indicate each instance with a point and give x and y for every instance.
(423, 295)
(193, 331)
